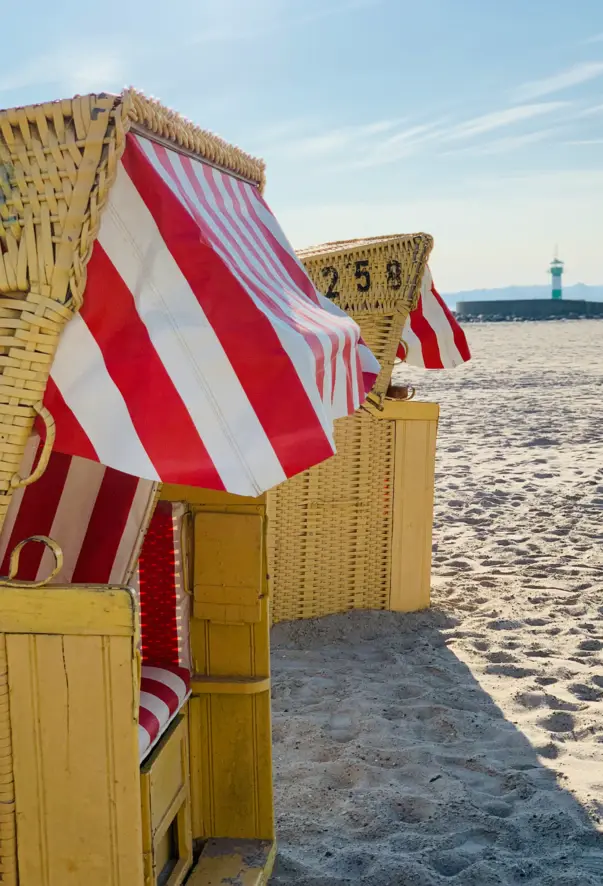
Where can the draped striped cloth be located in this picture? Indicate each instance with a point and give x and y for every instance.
(431, 337)
(97, 516)
(203, 354)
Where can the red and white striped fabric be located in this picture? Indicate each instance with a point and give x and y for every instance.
(163, 691)
(97, 515)
(432, 338)
(159, 584)
(202, 354)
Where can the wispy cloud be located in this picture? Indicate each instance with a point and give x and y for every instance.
(593, 111)
(585, 141)
(400, 144)
(573, 76)
(507, 144)
(383, 142)
(596, 38)
(500, 119)
(291, 140)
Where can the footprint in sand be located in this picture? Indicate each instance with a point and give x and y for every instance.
(501, 657)
(584, 692)
(559, 721)
(590, 646)
(510, 670)
(342, 728)
(413, 809)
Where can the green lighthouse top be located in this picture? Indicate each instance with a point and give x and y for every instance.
(556, 266)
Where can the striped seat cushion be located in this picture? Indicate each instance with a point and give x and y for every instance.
(163, 691)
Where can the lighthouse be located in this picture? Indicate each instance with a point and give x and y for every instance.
(556, 270)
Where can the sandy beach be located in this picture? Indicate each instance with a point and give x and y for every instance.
(464, 745)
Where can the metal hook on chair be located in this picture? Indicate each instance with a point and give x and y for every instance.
(10, 580)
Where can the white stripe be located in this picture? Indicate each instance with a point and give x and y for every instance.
(144, 741)
(187, 345)
(81, 376)
(133, 531)
(17, 496)
(305, 312)
(169, 679)
(70, 523)
(368, 361)
(293, 343)
(352, 329)
(243, 259)
(414, 356)
(437, 319)
(155, 706)
(147, 745)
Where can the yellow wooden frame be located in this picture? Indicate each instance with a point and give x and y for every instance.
(72, 709)
(229, 711)
(165, 795)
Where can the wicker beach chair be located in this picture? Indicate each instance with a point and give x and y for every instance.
(355, 531)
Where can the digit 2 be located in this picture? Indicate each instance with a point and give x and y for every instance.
(330, 272)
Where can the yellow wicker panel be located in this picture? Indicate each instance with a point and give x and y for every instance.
(330, 528)
(378, 282)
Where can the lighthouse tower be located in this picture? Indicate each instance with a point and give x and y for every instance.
(556, 270)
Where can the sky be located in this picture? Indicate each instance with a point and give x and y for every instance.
(478, 121)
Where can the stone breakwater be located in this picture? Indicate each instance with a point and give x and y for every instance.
(528, 309)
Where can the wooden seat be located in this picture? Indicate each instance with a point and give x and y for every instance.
(163, 693)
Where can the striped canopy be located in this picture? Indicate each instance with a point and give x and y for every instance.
(203, 354)
(431, 337)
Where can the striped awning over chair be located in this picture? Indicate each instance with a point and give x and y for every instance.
(203, 354)
(431, 337)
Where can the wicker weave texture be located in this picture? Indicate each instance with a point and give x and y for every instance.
(330, 528)
(377, 281)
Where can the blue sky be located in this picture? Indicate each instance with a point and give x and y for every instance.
(479, 121)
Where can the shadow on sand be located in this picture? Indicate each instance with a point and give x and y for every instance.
(394, 767)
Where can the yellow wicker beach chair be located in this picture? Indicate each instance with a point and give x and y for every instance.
(355, 532)
(70, 673)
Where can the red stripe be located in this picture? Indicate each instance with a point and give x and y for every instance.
(156, 571)
(291, 319)
(149, 723)
(304, 285)
(106, 528)
(355, 393)
(295, 318)
(36, 514)
(70, 436)
(168, 434)
(292, 275)
(427, 338)
(248, 338)
(162, 692)
(460, 339)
